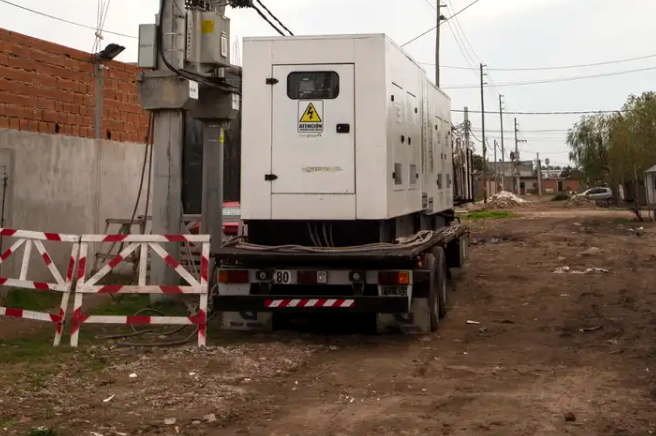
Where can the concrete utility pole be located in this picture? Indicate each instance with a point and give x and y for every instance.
(180, 76)
(539, 176)
(503, 149)
(440, 17)
(167, 142)
(515, 162)
(470, 182)
(212, 206)
(496, 168)
(483, 130)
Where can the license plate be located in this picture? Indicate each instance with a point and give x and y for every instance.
(282, 277)
(229, 211)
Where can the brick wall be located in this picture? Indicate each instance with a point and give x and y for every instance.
(567, 185)
(49, 88)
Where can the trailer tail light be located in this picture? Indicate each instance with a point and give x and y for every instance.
(390, 278)
(312, 277)
(233, 276)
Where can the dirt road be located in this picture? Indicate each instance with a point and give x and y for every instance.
(550, 354)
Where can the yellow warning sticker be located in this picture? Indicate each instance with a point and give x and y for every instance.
(310, 119)
(207, 26)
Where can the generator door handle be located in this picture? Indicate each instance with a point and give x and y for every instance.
(343, 128)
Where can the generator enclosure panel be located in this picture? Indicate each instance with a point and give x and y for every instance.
(341, 127)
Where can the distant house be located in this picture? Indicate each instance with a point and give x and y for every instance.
(523, 178)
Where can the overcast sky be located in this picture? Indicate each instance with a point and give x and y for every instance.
(499, 33)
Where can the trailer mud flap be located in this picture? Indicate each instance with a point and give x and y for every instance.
(417, 321)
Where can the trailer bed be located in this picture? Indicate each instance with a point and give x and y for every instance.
(393, 256)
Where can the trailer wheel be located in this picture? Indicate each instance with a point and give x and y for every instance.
(433, 293)
(441, 281)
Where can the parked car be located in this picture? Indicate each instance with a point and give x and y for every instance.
(599, 195)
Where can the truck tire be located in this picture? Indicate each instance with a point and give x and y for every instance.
(441, 281)
(433, 290)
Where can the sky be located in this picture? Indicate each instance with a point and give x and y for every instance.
(502, 34)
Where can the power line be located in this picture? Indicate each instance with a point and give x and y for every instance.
(531, 131)
(563, 79)
(548, 113)
(84, 26)
(441, 22)
(460, 47)
(561, 67)
(274, 17)
(264, 17)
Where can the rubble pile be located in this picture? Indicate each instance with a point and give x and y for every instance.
(581, 202)
(504, 200)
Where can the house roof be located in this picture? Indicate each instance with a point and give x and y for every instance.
(651, 170)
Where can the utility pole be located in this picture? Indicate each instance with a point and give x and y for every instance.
(516, 158)
(503, 149)
(483, 130)
(515, 162)
(167, 143)
(470, 181)
(440, 17)
(496, 168)
(539, 176)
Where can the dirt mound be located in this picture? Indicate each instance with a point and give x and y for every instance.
(581, 202)
(504, 200)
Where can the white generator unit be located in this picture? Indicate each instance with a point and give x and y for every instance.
(341, 128)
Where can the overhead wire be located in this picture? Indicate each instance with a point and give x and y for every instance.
(265, 18)
(274, 17)
(464, 53)
(63, 20)
(563, 79)
(103, 11)
(441, 22)
(558, 67)
(549, 113)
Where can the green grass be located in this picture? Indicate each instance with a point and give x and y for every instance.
(35, 349)
(131, 304)
(39, 301)
(622, 220)
(491, 214)
(42, 431)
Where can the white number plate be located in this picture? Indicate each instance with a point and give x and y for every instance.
(282, 277)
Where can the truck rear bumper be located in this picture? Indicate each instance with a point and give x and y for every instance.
(314, 304)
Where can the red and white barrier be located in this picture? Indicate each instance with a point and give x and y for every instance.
(143, 243)
(29, 239)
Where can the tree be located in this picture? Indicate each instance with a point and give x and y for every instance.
(477, 163)
(616, 148)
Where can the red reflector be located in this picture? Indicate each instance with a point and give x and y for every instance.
(393, 278)
(307, 277)
(233, 276)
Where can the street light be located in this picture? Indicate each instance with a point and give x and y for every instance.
(107, 54)
(110, 52)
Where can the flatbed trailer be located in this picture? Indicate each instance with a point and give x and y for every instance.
(404, 285)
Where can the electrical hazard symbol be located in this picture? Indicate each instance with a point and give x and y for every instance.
(310, 120)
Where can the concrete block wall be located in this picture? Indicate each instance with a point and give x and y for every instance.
(49, 88)
(63, 184)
